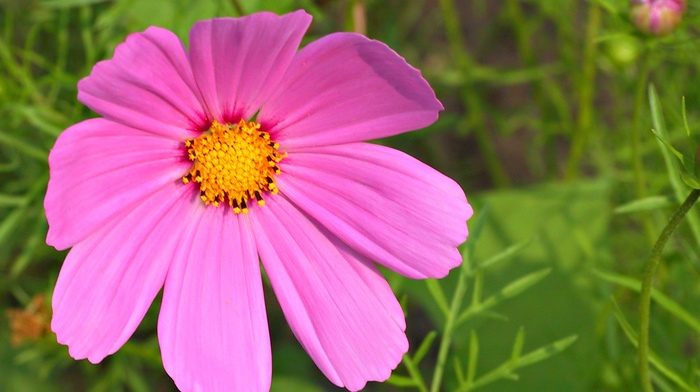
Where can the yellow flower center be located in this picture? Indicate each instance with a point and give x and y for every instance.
(233, 163)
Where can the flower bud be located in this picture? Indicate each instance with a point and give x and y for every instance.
(657, 17)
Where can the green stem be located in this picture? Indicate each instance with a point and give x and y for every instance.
(446, 340)
(645, 298)
(586, 93)
(238, 7)
(415, 373)
(638, 166)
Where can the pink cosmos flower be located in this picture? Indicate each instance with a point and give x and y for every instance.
(657, 17)
(241, 150)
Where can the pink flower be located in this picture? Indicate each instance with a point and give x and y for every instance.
(242, 148)
(657, 17)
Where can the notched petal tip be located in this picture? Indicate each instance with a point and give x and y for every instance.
(238, 62)
(344, 88)
(147, 84)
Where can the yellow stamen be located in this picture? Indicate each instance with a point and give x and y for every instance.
(233, 163)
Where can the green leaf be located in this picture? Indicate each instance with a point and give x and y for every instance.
(12, 200)
(687, 157)
(10, 222)
(507, 369)
(653, 358)
(685, 117)
(458, 370)
(506, 255)
(518, 345)
(660, 298)
(644, 204)
(24, 147)
(475, 228)
(511, 290)
(416, 378)
(478, 287)
(680, 190)
(690, 180)
(438, 295)
(547, 351)
(424, 347)
(668, 145)
(473, 356)
(401, 381)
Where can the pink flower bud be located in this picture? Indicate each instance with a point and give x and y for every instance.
(657, 17)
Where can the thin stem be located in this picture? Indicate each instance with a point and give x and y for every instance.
(446, 340)
(415, 373)
(645, 298)
(639, 105)
(586, 93)
(238, 7)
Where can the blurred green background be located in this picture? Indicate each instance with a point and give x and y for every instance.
(546, 127)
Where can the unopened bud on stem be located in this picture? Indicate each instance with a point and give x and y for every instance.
(657, 17)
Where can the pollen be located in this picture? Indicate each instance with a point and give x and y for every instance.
(234, 164)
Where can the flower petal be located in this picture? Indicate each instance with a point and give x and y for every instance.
(148, 84)
(213, 329)
(238, 62)
(109, 280)
(345, 88)
(99, 170)
(337, 304)
(388, 206)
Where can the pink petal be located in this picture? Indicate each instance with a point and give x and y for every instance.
(148, 84)
(213, 329)
(345, 88)
(388, 206)
(238, 62)
(337, 304)
(109, 280)
(101, 169)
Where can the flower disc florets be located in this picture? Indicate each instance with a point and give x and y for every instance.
(233, 163)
